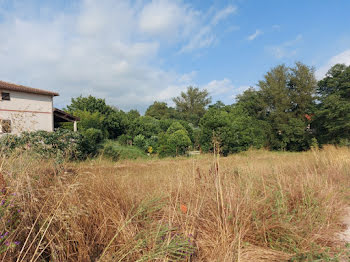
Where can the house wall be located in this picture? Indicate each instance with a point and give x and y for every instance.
(27, 112)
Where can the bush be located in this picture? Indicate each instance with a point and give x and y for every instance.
(59, 145)
(114, 151)
(178, 143)
(90, 142)
(140, 142)
(62, 144)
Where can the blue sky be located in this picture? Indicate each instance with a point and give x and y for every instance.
(135, 52)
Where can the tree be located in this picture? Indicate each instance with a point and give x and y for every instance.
(233, 128)
(178, 143)
(192, 104)
(288, 94)
(160, 110)
(253, 103)
(114, 120)
(332, 120)
(175, 141)
(144, 125)
(90, 104)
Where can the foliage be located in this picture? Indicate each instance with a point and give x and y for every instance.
(192, 104)
(62, 144)
(140, 142)
(91, 120)
(178, 143)
(175, 141)
(144, 125)
(114, 151)
(284, 98)
(282, 113)
(90, 141)
(160, 110)
(332, 120)
(233, 127)
(111, 121)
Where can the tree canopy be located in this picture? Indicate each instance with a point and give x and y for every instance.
(192, 104)
(287, 110)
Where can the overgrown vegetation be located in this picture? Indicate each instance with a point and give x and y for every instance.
(287, 111)
(253, 206)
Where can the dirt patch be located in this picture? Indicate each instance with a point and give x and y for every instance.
(345, 235)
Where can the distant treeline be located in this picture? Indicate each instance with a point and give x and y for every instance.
(289, 110)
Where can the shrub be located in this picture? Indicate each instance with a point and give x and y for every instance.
(62, 144)
(113, 151)
(90, 142)
(178, 143)
(140, 142)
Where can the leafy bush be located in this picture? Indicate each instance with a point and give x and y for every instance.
(140, 142)
(234, 128)
(124, 139)
(175, 141)
(114, 151)
(90, 141)
(178, 143)
(59, 145)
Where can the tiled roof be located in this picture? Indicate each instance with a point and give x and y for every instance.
(19, 88)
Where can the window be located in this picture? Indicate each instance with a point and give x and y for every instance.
(6, 126)
(5, 96)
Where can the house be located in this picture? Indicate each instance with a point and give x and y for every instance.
(24, 108)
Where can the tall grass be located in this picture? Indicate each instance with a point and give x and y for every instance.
(254, 206)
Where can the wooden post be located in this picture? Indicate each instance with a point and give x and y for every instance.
(75, 126)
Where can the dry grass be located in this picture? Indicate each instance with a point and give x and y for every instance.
(255, 206)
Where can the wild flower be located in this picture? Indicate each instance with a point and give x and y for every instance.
(9, 218)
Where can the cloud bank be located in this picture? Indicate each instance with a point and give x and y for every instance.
(110, 49)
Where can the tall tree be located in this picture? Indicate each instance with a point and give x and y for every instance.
(160, 110)
(252, 102)
(333, 117)
(192, 104)
(288, 94)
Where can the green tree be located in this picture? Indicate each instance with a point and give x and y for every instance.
(233, 128)
(288, 94)
(144, 125)
(253, 103)
(175, 141)
(160, 110)
(90, 104)
(192, 104)
(114, 120)
(178, 143)
(332, 120)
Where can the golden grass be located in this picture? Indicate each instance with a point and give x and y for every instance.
(253, 206)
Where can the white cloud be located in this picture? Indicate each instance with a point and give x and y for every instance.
(286, 49)
(223, 14)
(218, 87)
(107, 48)
(342, 58)
(224, 90)
(168, 19)
(255, 35)
(205, 36)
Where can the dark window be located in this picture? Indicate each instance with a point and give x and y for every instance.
(5, 96)
(6, 126)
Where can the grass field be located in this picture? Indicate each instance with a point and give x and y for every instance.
(253, 206)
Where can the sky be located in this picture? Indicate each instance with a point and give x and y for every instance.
(135, 52)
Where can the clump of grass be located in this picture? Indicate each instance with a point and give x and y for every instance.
(246, 207)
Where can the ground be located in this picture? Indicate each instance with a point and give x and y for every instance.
(253, 206)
